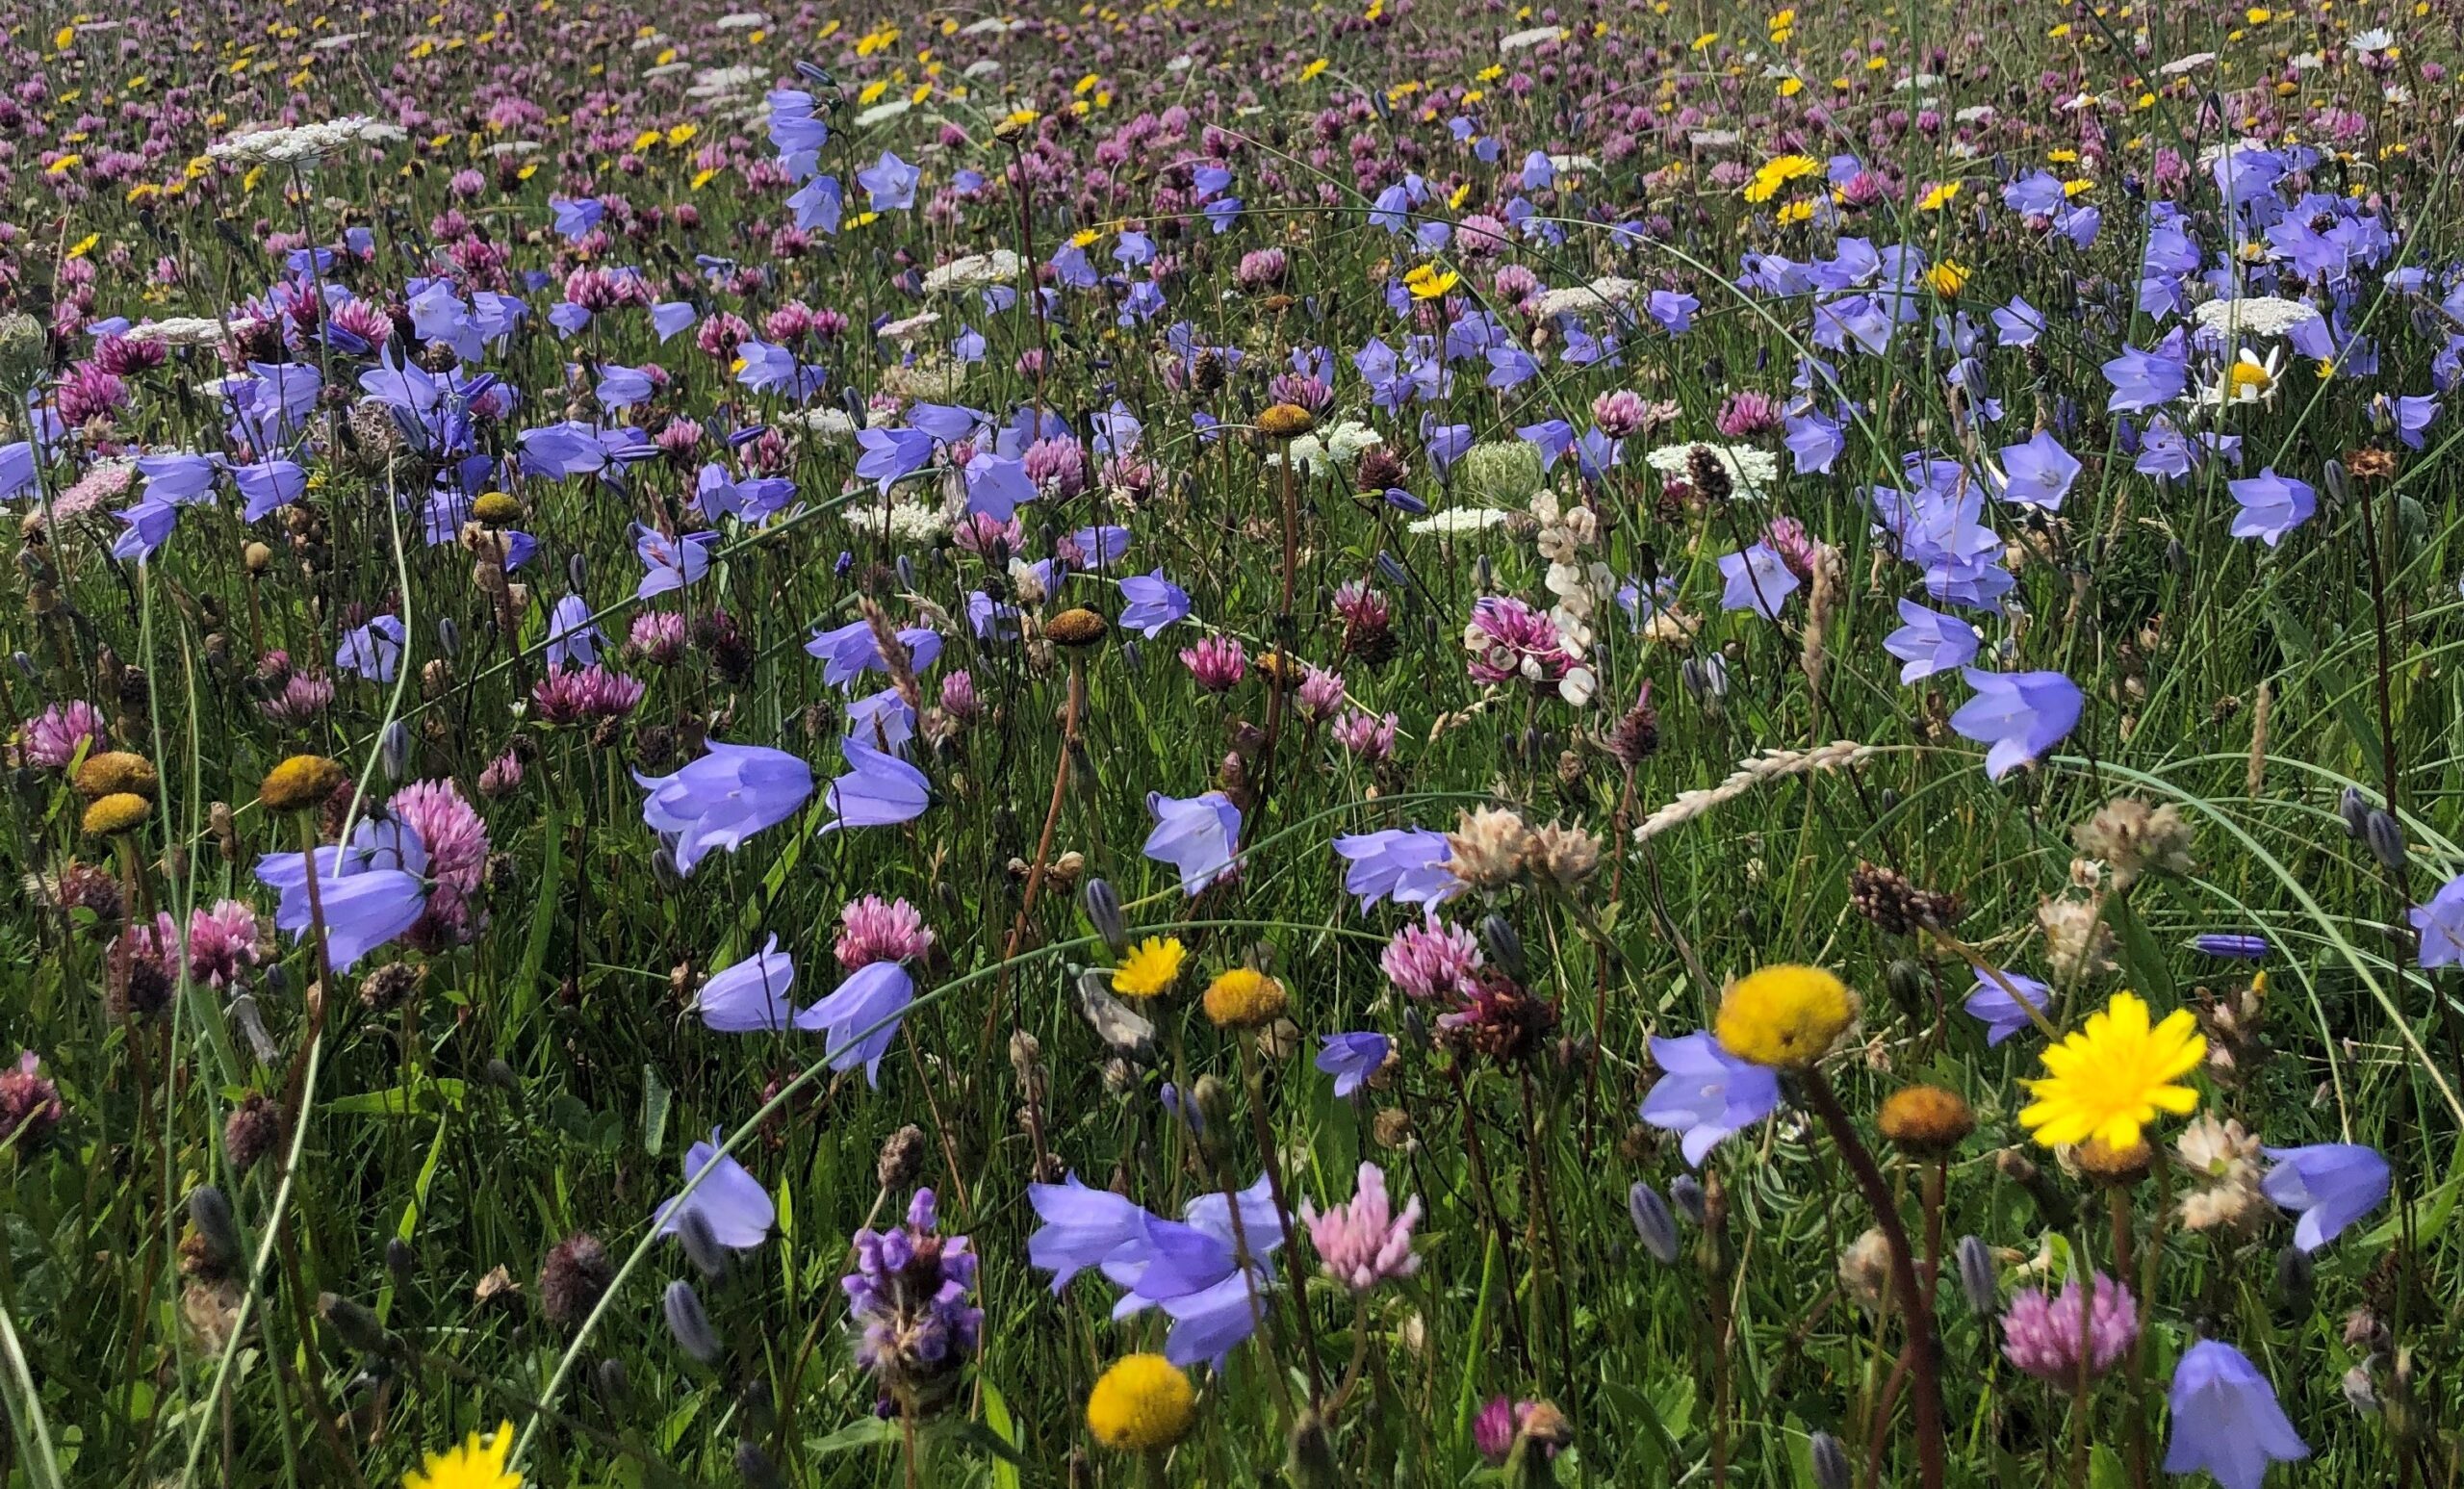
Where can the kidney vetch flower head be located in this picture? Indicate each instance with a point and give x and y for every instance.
(1785, 1015)
(1143, 1403)
(2109, 1079)
(475, 1465)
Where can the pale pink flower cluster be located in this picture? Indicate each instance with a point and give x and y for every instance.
(1364, 1242)
(872, 930)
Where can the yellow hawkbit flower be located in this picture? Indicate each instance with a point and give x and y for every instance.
(1427, 283)
(2110, 1077)
(1152, 968)
(474, 1465)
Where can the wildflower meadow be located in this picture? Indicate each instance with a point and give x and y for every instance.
(1405, 743)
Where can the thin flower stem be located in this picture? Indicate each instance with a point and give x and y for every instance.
(1916, 1310)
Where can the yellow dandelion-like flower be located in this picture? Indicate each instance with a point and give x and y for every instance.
(1426, 283)
(1142, 1403)
(2110, 1077)
(1947, 279)
(475, 1465)
(1785, 1015)
(1152, 968)
(1775, 174)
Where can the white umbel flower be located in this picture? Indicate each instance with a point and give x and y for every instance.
(1751, 472)
(305, 145)
(1520, 40)
(2257, 315)
(974, 272)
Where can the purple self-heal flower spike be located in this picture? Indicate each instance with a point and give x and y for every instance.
(731, 1199)
(2018, 715)
(2226, 1419)
(1195, 834)
(2330, 1185)
(1706, 1093)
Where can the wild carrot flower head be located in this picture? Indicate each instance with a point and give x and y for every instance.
(2111, 1078)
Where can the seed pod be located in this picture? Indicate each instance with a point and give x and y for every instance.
(1653, 1224)
(1977, 1279)
(689, 1323)
(399, 1259)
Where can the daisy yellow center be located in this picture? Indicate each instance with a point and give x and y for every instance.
(2112, 1077)
(2248, 376)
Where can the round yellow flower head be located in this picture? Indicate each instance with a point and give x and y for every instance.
(1926, 1120)
(1152, 968)
(121, 811)
(1285, 422)
(2109, 1078)
(114, 771)
(1142, 1403)
(496, 509)
(1785, 1015)
(1245, 999)
(471, 1466)
(299, 782)
(1075, 627)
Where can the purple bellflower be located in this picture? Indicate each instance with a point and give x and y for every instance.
(723, 797)
(2019, 714)
(1706, 1093)
(2329, 1185)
